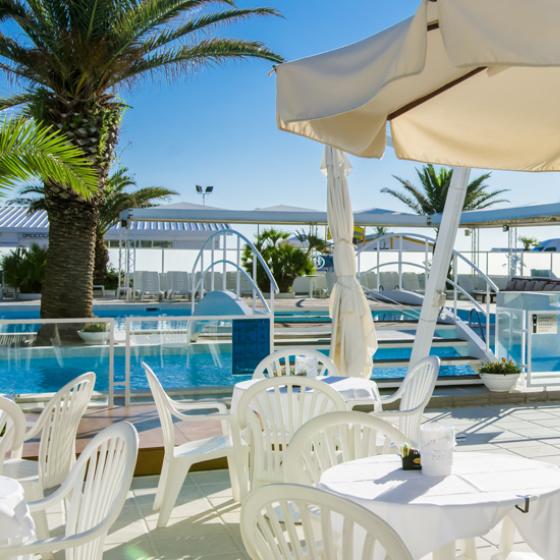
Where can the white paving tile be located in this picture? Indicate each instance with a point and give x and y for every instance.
(205, 522)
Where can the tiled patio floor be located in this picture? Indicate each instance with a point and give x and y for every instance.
(205, 522)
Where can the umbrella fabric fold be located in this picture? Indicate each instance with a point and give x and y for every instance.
(449, 81)
(353, 341)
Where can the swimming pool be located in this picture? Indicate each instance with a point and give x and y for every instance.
(200, 363)
(178, 369)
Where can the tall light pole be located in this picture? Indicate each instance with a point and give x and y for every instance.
(204, 191)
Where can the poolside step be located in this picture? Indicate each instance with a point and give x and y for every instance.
(383, 343)
(472, 361)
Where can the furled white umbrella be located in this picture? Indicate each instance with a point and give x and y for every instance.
(353, 340)
(467, 83)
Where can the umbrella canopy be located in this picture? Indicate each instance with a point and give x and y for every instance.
(468, 83)
(353, 340)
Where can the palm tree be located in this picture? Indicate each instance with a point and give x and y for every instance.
(312, 243)
(28, 150)
(430, 197)
(71, 56)
(117, 199)
(285, 261)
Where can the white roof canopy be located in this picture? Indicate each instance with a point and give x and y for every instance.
(538, 215)
(471, 83)
(277, 215)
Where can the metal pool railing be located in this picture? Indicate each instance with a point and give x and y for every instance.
(531, 337)
(23, 340)
(36, 361)
(152, 336)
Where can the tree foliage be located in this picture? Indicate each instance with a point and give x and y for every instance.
(429, 197)
(285, 261)
(29, 150)
(24, 269)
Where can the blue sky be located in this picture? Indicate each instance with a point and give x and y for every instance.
(217, 126)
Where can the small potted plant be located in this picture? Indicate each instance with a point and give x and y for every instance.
(499, 376)
(95, 333)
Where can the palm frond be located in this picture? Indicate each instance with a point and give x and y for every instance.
(170, 35)
(30, 150)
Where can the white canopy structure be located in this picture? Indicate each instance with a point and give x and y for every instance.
(277, 215)
(519, 216)
(468, 83)
(21, 228)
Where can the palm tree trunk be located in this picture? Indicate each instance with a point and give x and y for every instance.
(101, 259)
(67, 287)
(73, 221)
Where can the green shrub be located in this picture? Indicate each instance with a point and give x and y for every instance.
(285, 261)
(500, 367)
(111, 278)
(24, 269)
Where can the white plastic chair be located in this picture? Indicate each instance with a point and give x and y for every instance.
(178, 284)
(178, 460)
(93, 494)
(414, 394)
(57, 426)
(335, 438)
(147, 283)
(269, 414)
(322, 525)
(12, 430)
(283, 362)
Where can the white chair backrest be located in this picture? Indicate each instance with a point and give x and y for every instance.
(286, 521)
(335, 438)
(272, 410)
(100, 481)
(12, 430)
(284, 362)
(164, 407)
(416, 391)
(163, 281)
(146, 281)
(167, 409)
(178, 282)
(58, 424)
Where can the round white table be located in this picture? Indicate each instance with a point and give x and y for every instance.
(16, 523)
(430, 513)
(354, 390)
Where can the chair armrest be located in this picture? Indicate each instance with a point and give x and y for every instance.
(398, 413)
(397, 395)
(36, 428)
(209, 405)
(49, 545)
(201, 417)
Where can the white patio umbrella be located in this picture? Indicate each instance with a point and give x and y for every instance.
(468, 83)
(353, 340)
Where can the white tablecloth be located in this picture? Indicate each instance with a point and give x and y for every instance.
(353, 390)
(16, 523)
(431, 512)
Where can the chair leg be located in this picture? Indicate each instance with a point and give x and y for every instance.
(238, 465)
(34, 492)
(177, 472)
(161, 485)
(470, 549)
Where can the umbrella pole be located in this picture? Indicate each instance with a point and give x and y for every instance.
(434, 296)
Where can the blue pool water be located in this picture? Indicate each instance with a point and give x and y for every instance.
(45, 369)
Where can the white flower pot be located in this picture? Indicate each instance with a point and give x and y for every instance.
(498, 382)
(94, 337)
